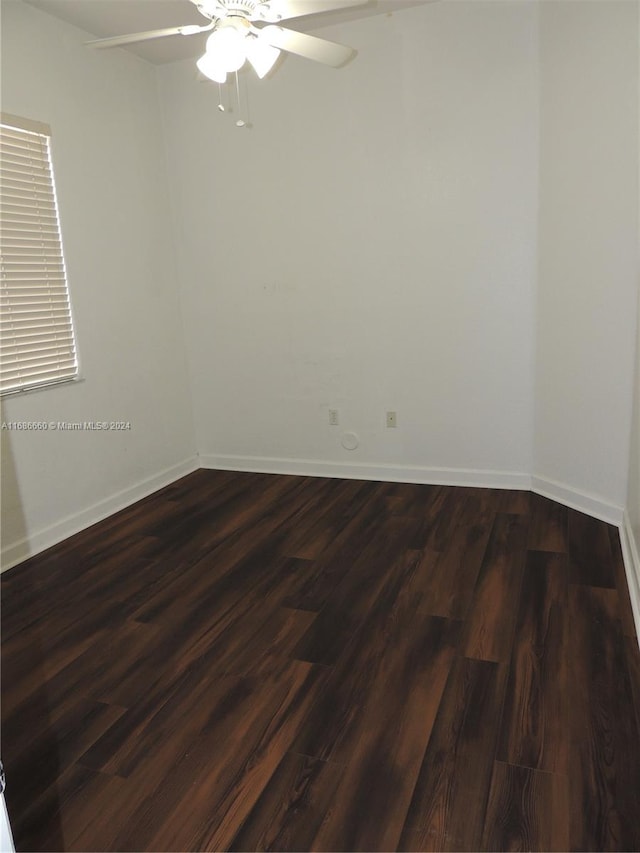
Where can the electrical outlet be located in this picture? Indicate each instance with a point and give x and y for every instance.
(334, 418)
(391, 420)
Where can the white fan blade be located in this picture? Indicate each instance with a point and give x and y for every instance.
(320, 50)
(131, 38)
(281, 10)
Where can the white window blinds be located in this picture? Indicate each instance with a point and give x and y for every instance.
(37, 345)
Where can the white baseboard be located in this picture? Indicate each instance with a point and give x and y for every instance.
(631, 556)
(16, 552)
(582, 501)
(363, 471)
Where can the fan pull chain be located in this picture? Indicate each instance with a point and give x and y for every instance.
(220, 104)
(240, 122)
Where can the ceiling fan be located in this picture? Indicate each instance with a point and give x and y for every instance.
(249, 30)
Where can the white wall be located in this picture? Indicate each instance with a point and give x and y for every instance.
(369, 244)
(588, 247)
(631, 529)
(111, 181)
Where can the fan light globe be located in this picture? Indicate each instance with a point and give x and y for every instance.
(226, 47)
(261, 55)
(211, 68)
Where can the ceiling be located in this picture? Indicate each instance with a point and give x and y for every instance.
(116, 17)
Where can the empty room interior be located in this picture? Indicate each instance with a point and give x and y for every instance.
(326, 534)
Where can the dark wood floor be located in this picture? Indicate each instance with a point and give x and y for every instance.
(251, 662)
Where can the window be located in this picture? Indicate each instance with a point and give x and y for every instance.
(37, 344)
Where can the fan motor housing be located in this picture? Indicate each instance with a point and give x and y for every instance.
(247, 7)
(227, 8)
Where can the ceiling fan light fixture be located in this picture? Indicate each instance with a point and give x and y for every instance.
(226, 46)
(234, 39)
(261, 55)
(211, 68)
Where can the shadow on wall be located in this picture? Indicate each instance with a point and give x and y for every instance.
(633, 495)
(30, 749)
(12, 521)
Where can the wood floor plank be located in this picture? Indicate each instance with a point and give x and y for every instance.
(200, 534)
(333, 510)
(535, 726)
(331, 567)
(48, 653)
(527, 810)
(620, 575)
(548, 525)
(449, 511)
(633, 663)
(227, 767)
(604, 772)
(426, 507)
(369, 806)
(67, 733)
(449, 589)
(269, 522)
(291, 808)
(590, 558)
(339, 719)
(414, 500)
(353, 597)
(107, 673)
(449, 801)
(53, 820)
(55, 744)
(242, 620)
(511, 501)
(491, 621)
(159, 728)
(86, 828)
(273, 643)
(72, 598)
